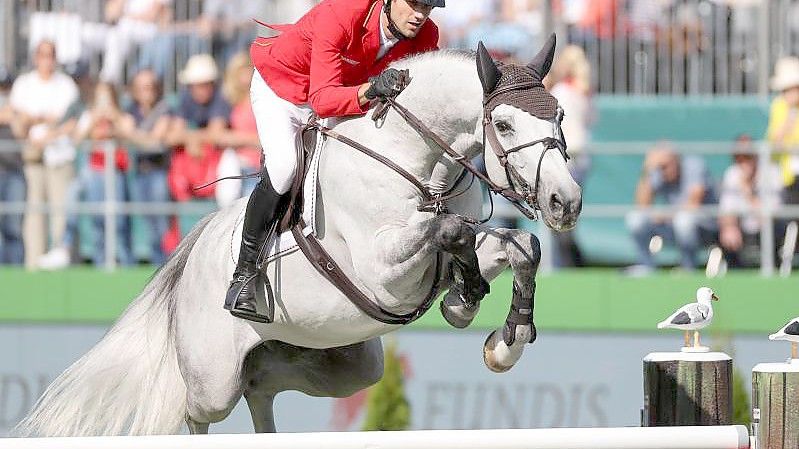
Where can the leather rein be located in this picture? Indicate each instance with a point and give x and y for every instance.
(431, 202)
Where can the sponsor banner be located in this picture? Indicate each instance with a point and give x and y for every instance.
(563, 380)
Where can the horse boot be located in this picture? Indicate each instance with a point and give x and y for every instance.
(262, 211)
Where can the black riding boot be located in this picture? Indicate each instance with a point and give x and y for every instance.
(262, 210)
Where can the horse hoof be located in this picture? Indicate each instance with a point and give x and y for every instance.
(488, 355)
(458, 316)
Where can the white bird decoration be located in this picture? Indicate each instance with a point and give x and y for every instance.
(693, 316)
(789, 332)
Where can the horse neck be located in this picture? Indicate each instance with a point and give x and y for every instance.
(449, 109)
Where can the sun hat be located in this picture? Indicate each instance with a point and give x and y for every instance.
(786, 73)
(199, 69)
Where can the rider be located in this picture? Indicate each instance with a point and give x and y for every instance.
(331, 63)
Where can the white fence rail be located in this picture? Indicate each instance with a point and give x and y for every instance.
(708, 437)
(111, 209)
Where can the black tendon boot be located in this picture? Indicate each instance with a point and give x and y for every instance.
(262, 210)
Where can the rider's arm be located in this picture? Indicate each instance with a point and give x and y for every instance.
(328, 95)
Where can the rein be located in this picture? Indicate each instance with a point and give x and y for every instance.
(431, 202)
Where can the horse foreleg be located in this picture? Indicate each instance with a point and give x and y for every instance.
(496, 249)
(468, 286)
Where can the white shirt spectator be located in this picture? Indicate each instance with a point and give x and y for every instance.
(576, 110)
(43, 98)
(735, 201)
(135, 9)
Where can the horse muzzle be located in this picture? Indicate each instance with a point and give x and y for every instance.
(561, 208)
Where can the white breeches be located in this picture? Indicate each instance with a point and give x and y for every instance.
(278, 122)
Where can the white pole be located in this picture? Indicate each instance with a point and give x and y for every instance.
(110, 203)
(707, 437)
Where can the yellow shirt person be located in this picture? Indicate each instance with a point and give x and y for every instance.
(783, 123)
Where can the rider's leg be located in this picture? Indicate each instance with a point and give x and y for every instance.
(261, 211)
(278, 121)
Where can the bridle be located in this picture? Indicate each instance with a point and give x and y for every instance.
(434, 202)
(431, 202)
(515, 180)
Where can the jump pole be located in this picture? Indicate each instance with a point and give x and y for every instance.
(707, 437)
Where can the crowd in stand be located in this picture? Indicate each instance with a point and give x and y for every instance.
(163, 145)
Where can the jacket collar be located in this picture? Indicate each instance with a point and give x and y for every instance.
(371, 36)
(371, 26)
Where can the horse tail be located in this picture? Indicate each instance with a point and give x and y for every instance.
(129, 382)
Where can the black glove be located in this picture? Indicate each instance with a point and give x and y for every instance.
(387, 84)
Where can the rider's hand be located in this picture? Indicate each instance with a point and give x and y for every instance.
(385, 85)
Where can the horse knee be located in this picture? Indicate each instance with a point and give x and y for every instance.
(455, 235)
(524, 251)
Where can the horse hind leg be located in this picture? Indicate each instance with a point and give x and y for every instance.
(196, 428)
(261, 406)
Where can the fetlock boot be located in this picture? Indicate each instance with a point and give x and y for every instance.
(262, 211)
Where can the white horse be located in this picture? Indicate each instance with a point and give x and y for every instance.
(176, 356)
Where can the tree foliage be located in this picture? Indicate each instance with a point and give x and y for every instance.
(387, 406)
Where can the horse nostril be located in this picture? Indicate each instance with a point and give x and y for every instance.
(555, 203)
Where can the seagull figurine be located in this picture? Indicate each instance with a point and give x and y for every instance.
(692, 317)
(789, 332)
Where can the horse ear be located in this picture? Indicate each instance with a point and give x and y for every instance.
(543, 60)
(487, 69)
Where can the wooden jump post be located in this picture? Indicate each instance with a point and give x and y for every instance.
(775, 404)
(687, 389)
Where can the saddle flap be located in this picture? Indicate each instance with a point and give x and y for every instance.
(306, 144)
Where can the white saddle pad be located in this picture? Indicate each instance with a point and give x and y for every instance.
(284, 243)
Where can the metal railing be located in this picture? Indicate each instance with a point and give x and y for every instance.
(682, 47)
(111, 209)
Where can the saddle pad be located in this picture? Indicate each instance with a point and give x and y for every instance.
(284, 243)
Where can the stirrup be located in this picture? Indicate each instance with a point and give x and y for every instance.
(230, 304)
(250, 316)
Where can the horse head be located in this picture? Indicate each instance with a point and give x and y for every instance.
(522, 124)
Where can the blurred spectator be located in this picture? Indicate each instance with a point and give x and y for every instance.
(130, 23)
(12, 183)
(143, 126)
(570, 82)
(509, 33)
(230, 25)
(97, 127)
(200, 121)
(603, 19)
(458, 19)
(39, 100)
(681, 182)
(783, 124)
(740, 199)
(243, 134)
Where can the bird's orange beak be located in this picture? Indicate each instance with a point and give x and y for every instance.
(714, 297)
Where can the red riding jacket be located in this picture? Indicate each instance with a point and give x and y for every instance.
(325, 57)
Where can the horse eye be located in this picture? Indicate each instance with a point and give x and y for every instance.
(503, 127)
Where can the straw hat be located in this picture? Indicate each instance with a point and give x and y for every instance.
(786, 73)
(199, 69)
